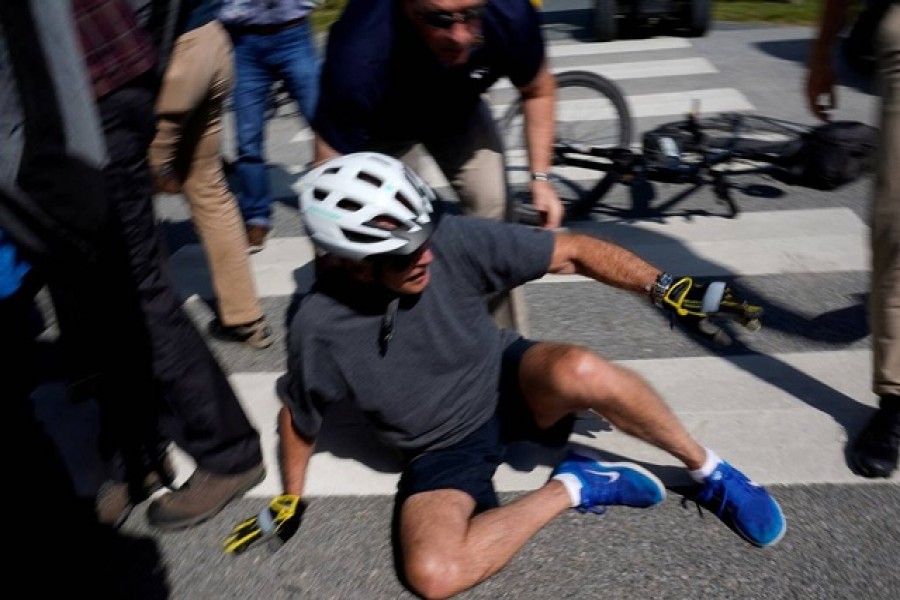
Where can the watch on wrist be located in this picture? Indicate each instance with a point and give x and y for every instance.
(539, 176)
(659, 288)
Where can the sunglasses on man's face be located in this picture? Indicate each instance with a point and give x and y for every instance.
(400, 263)
(444, 19)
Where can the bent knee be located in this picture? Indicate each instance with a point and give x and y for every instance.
(434, 576)
(581, 376)
(579, 365)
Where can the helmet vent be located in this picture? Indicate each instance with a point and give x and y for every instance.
(320, 194)
(369, 178)
(401, 198)
(361, 238)
(349, 205)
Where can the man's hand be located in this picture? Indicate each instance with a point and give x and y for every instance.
(546, 202)
(276, 523)
(821, 94)
(695, 302)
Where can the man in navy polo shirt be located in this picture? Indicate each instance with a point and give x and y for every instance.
(403, 72)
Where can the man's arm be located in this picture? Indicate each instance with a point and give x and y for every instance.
(296, 451)
(821, 97)
(602, 261)
(692, 301)
(280, 520)
(539, 108)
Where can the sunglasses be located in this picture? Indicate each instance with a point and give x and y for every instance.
(444, 19)
(400, 263)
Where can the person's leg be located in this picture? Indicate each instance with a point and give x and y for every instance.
(447, 548)
(203, 415)
(451, 530)
(472, 161)
(875, 451)
(560, 379)
(214, 209)
(252, 82)
(294, 56)
(885, 308)
(186, 84)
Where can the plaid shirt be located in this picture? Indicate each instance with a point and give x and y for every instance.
(116, 49)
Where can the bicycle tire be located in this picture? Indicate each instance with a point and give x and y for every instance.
(591, 110)
(750, 140)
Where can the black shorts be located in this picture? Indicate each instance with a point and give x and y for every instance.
(469, 465)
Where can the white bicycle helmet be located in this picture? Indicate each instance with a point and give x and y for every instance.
(365, 204)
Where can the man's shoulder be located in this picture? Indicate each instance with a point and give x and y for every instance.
(361, 23)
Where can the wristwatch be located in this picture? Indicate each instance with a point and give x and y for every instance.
(658, 288)
(539, 176)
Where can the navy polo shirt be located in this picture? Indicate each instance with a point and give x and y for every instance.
(381, 82)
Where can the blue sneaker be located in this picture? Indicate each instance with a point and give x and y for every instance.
(745, 506)
(611, 483)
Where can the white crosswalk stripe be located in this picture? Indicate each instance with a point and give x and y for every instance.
(754, 420)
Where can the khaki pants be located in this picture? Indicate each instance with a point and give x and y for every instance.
(472, 162)
(884, 302)
(198, 79)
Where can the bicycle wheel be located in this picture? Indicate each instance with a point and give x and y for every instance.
(591, 111)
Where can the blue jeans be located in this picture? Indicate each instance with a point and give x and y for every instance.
(259, 61)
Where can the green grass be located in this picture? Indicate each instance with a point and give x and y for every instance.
(326, 13)
(776, 12)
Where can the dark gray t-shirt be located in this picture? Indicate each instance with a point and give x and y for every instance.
(437, 379)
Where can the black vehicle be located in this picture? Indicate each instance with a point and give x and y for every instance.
(687, 17)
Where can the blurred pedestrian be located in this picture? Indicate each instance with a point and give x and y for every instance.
(273, 41)
(185, 157)
(55, 231)
(874, 452)
(200, 410)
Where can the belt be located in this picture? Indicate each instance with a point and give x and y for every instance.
(267, 29)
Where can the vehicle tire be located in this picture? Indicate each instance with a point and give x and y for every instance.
(605, 25)
(590, 111)
(696, 18)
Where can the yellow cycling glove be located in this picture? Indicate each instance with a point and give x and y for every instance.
(276, 524)
(695, 301)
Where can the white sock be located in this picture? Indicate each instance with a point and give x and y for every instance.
(709, 465)
(572, 485)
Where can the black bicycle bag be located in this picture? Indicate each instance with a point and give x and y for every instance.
(835, 154)
(822, 157)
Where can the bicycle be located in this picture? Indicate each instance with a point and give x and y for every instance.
(593, 149)
(591, 112)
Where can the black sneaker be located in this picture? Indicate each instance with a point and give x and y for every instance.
(256, 334)
(875, 451)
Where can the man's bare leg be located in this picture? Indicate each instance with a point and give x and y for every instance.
(559, 379)
(447, 550)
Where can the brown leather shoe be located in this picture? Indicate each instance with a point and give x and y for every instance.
(113, 504)
(114, 501)
(256, 238)
(256, 334)
(201, 497)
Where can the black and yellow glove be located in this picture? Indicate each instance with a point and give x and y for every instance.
(695, 302)
(276, 524)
